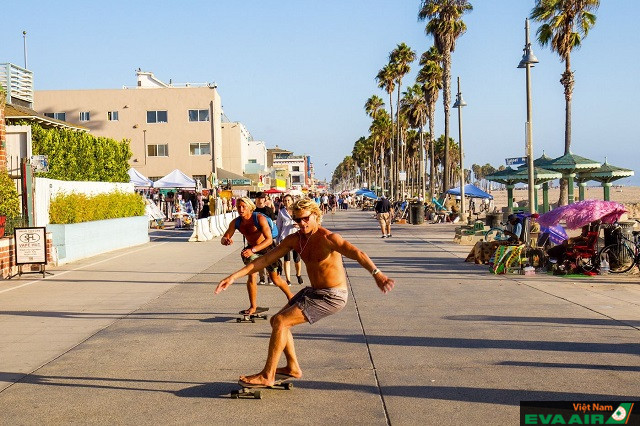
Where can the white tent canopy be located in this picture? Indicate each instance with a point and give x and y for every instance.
(138, 179)
(175, 179)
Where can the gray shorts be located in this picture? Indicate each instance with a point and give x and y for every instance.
(316, 304)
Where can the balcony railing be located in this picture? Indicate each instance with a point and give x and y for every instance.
(18, 82)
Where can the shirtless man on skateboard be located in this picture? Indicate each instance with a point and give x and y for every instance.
(321, 252)
(259, 242)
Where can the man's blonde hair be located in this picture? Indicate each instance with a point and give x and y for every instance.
(310, 205)
(247, 202)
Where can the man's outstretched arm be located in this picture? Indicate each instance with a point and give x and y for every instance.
(345, 248)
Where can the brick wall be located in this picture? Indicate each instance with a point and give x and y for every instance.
(3, 136)
(7, 257)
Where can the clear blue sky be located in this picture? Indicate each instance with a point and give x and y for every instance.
(298, 72)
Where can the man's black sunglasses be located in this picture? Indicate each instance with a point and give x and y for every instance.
(300, 219)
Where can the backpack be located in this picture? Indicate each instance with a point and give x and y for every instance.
(272, 225)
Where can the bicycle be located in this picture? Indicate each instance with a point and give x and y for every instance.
(496, 233)
(622, 255)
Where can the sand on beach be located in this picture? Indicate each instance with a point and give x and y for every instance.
(629, 196)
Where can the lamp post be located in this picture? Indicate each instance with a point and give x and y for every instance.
(527, 61)
(459, 103)
(144, 142)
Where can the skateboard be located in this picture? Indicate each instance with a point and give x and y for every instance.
(247, 391)
(258, 314)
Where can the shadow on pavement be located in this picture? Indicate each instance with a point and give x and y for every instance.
(549, 320)
(223, 389)
(568, 365)
(462, 343)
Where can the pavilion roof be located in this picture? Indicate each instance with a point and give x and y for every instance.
(571, 162)
(607, 173)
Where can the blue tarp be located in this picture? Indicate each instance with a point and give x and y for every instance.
(470, 191)
(370, 195)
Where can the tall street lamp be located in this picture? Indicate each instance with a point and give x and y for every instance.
(459, 103)
(527, 61)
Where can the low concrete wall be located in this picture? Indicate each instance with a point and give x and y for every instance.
(79, 240)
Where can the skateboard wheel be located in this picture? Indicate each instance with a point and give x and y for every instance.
(288, 386)
(235, 394)
(257, 395)
(253, 320)
(238, 320)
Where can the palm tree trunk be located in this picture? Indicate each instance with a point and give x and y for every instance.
(446, 98)
(422, 160)
(567, 81)
(432, 155)
(392, 152)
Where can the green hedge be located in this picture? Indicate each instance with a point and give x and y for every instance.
(80, 156)
(76, 208)
(9, 203)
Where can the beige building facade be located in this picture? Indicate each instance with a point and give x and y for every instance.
(169, 126)
(235, 147)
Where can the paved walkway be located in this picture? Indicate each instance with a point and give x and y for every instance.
(137, 337)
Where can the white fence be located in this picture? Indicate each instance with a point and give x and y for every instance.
(45, 189)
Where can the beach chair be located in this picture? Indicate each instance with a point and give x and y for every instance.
(441, 211)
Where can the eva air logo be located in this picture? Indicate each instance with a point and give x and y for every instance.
(621, 414)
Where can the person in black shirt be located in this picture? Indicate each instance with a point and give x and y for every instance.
(262, 207)
(383, 213)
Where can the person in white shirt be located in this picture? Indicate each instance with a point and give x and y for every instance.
(287, 226)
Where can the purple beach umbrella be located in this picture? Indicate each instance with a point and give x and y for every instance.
(583, 213)
(556, 233)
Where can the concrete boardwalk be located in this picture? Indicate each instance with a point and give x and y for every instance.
(137, 337)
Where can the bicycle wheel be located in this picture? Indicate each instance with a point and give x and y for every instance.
(620, 257)
(495, 234)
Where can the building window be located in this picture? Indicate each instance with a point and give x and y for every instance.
(198, 115)
(57, 115)
(295, 168)
(200, 148)
(112, 115)
(295, 179)
(157, 117)
(158, 150)
(85, 116)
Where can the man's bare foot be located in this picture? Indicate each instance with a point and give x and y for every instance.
(250, 311)
(287, 371)
(257, 379)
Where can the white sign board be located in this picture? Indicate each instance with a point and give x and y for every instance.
(31, 245)
(402, 176)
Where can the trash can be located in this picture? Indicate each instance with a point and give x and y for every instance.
(626, 227)
(416, 213)
(493, 219)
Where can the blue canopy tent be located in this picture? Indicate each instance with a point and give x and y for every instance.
(369, 195)
(470, 191)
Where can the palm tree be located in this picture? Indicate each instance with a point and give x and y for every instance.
(565, 24)
(373, 105)
(401, 57)
(445, 25)
(431, 78)
(386, 81)
(414, 107)
(381, 129)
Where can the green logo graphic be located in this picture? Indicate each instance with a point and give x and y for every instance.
(621, 414)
